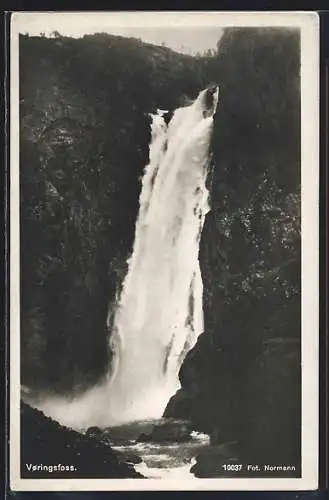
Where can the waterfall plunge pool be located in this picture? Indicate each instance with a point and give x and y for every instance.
(158, 449)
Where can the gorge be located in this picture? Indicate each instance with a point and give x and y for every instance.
(84, 145)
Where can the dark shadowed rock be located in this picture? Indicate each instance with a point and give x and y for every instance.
(84, 144)
(272, 406)
(172, 431)
(241, 381)
(44, 441)
(130, 458)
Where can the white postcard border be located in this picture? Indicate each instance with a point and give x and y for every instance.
(308, 22)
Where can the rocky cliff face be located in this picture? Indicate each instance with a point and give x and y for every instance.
(241, 382)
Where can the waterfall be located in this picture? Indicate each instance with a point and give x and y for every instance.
(160, 311)
(159, 314)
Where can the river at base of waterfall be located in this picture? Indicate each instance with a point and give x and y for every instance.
(156, 455)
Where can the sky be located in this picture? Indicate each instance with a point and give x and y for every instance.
(188, 40)
(187, 32)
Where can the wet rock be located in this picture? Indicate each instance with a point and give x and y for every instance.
(180, 405)
(241, 380)
(94, 432)
(168, 116)
(171, 431)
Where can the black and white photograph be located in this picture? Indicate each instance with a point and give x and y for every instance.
(164, 251)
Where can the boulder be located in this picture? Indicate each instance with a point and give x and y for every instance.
(94, 432)
(168, 432)
(272, 406)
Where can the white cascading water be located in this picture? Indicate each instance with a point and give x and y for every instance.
(160, 314)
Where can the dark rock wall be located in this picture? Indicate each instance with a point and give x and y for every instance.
(242, 379)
